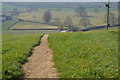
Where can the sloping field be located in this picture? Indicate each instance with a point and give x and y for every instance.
(8, 8)
(6, 24)
(32, 25)
(96, 19)
(92, 54)
(15, 50)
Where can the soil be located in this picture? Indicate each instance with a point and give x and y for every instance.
(40, 63)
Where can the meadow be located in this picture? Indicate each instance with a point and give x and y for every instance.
(96, 19)
(32, 25)
(7, 8)
(0, 56)
(6, 24)
(92, 54)
(15, 50)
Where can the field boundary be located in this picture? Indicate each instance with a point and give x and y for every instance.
(22, 20)
(37, 29)
(98, 27)
(86, 29)
(12, 24)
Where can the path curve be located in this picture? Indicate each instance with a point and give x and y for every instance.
(40, 63)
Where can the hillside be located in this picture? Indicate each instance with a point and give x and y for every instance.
(58, 40)
(86, 54)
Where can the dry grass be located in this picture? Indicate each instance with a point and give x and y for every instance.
(31, 25)
(96, 19)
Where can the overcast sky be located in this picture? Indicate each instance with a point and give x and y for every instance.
(58, 0)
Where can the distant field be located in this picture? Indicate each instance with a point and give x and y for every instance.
(92, 54)
(8, 8)
(6, 24)
(32, 25)
(5, 30)
(15, 50)
(97, 19)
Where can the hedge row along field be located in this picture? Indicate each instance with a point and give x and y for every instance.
(15, 50)
(92, 54)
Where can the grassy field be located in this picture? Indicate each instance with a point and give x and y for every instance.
(8, 8)
(92, 54)
(97, 19)
(15, 50)
(0, 55)
(32, 25)
(16, 46)
(6, 24)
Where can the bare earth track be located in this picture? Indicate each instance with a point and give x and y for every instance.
(40, 64)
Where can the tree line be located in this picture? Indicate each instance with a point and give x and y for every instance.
(83, 19)
(68, 22)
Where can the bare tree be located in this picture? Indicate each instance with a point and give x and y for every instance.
(81, 11)
(68, 21)
(112, 19)
(84, 21)
(47, 16)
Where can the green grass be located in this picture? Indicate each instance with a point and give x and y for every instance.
(15, 50)
(6, 24)
(0, 55)
(92, 54)
(32, 25)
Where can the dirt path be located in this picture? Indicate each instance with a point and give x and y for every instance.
(40, 64)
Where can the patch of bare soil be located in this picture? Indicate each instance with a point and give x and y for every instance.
(40, 63)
